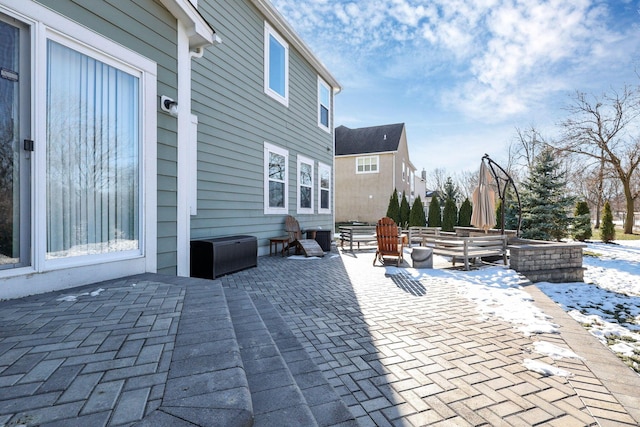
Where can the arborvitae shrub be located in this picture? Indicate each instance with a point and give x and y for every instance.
(607, 229)
(405, 210)
(393, 211)
(434, 219)
(464, 216)
(449, 215)
(416, 217)
(581, 222)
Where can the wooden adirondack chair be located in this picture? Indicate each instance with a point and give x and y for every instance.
(389, 241)
(308, 246)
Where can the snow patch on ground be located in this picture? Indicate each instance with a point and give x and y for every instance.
(553, 351)
(496, 291)
(73, 298)
(545, 369)
(608, 303)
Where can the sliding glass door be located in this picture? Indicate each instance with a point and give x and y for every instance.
(15, 154)
(93, 156)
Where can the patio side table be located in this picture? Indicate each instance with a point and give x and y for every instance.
(274, 241)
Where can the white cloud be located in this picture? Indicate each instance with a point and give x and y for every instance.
(494, 59)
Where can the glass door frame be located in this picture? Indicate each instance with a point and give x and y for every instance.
(24, 176)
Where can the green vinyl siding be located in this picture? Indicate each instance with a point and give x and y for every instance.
(146, 27)
(236, 118)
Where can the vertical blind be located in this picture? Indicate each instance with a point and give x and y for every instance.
(93, 156)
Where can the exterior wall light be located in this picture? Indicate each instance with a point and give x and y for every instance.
(169, 105)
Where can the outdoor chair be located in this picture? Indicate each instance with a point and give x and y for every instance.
(390, 243)
(308, 246)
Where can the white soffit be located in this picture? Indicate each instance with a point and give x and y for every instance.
(198, 29)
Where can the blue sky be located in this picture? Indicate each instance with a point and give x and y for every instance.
(463, 74)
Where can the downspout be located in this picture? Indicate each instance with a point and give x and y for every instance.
(393, 181)
(196, 53)
(183, 218)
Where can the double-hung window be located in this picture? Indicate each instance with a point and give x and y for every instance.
(276, 66)
(276, 179)
(305, 185)
(324, 105)
(324, 189)
(367, 164)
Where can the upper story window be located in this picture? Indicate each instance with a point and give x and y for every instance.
(324, 188)
(276, 179)
(305, 185)
(368, 164)
(276, 65)
(324, 105)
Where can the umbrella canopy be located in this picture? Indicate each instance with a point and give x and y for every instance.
(484, 201)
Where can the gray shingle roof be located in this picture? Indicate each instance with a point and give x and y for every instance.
(375, 139)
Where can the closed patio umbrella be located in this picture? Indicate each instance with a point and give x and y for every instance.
(484, 201)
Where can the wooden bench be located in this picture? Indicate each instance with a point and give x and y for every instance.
(421, 234)
(469, 247)
(358, 234)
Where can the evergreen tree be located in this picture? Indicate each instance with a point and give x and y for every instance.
(464, 216)
(510, 213)
(434, 219)
(405, 210)
(393, 211)
(545, 204)
(498, 215)
(451, 191)
(607, 229)
(416, 217)
(581, 222)
(449, 215)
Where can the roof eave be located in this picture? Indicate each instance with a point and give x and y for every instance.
(277, 20)
(369, 152)
(200, 33)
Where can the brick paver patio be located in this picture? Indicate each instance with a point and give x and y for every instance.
(397, 351)
(411, 353)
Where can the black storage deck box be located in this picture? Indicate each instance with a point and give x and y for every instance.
(211, 258)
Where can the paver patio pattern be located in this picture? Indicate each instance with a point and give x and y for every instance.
(410, 353)
(399, 352)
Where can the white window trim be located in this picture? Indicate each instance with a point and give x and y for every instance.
(368, 157)
(321, 84)
(269, 31)
(46, 24)
(268, 148)
(147, 102)
(310, 162)
(321, 167)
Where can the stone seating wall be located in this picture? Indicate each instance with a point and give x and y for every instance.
(540, 261)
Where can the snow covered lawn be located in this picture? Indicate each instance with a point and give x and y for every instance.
(608, 304)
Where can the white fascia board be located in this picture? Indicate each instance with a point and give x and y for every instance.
(373, 153)
(198, 29)
(282, 26)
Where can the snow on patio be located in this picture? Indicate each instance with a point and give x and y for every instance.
(607, 303)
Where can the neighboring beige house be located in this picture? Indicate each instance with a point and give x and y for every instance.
(369, 163)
